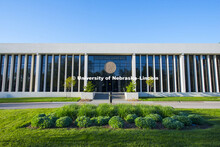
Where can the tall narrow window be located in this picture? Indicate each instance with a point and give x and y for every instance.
(76, 71)
(171, 73)
(34, 73)
(138, 73)
(205, 68)
(62, 72)
(1, 70)
(69, 66)
(218, 66)
(143, 72)
(14, 77)
(157, 73)
(8, 73)
(82, 73)
(199, 74)
(55, 72)
(49, 62)
(28, 73)
(21, 77)
(192, 73)
(164, 72)
(177, 73)
(186, 73)
(150, 69)
(42, 73)
(212, 68)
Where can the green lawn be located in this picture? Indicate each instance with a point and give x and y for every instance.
(14, 133)
(39, 99)
(180, 99)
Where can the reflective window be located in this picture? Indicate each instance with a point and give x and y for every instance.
(150, 69)
(212, 73)
(62, 72)
(205, 68)
(164, 72)
(48, 80)
(199, 74)
(76, 71)
(14, 77)
(171, 73)
(69, 66)
(157, 73)
(55, 72)
(28, 73)
(178, 86)
(186, 73)
(82, 73)
(144, 72)
(21, 77)
(1, 70)
(8, 68)
(192, 73)
(34, 73)
(42, 73)
(138, 73)
(218, 66)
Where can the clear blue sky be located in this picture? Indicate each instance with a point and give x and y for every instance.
(109, 21)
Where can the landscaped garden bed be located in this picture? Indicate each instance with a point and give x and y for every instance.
(125, 116)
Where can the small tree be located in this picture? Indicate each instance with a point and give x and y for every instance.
(89, 87)
(131, 87)
(150, 82)
(70, 82)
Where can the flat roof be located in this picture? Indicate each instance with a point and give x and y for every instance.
(110, 48)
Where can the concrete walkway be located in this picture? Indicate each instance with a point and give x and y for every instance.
(175, 104)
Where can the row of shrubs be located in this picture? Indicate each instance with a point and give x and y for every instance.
(175, 121)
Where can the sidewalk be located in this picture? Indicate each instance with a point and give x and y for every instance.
(175, 104)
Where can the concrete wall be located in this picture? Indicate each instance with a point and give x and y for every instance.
(179, 94)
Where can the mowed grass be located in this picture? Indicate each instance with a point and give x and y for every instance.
(39, 99)
(13, 132)
(180, 99)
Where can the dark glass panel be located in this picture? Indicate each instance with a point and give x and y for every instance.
(144, 72)
(212, 73)
(82, 73)
(192, 73)
(28, 73)
(76, 71)
(7, 77)
(178, 74)
(21, 77)
(138, 73)
(171, 73)
(164, 72)
(199, 74)
(205, 68)
(218, 69)
(55, 72)
(69, 66)
(34, 73)
(42, 72)
(186, 74)
(62, 72)
(150, 69)
(48, 79)
(13, 88)
(1, 70)
(157, 73)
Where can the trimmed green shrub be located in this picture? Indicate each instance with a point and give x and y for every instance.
(145, 122)
(116, 122)
(196, 119)
(125, 109)
(155, 117)
(100, 120)
(83, 122)
(52, 117)
(64, 122)
(106, 110)
(130, 118)
(183, 114)
(172, 123)
(183, 119)
(41, 121)
(87, 110)
(67, 110)
(167, 111)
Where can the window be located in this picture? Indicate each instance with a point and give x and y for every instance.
(157, 73)
(192, 73)
(178, 74)
(82, 73)
(150, 69)
(55, 72)
(199, 74)
(164, 72)
(171, 73)
(48, 80)
(218, 66)
(62, 72)
(138, 73)
(76, 71)
(34, 73)
(28, 73)
(2, 60)
(143, 72)
(205, 68)
(14, 77)
(69, 66)
(8, 68)
(42, 73)
(21, 77)
(212, 68)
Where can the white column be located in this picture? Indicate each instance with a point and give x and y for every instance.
(4, 73)
(147, 71)
(38, 71)
(182, 73)
(202, 73)
(45, 74)
(168, 75)
(188, 73)
(79, 73)
(32, 72)
(72, 71)
(65, 75)
(216, 74)
(85, 69)
(58, 80)
(161, 74)
(195, 73)
(174, 69)
(154, 73)
(209, 74)
(18, 73)
(52, 70)
(140, 75)
(11, 73)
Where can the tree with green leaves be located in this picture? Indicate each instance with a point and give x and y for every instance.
(150, 82)
(89, 87)
(131, 87)
(69, 82)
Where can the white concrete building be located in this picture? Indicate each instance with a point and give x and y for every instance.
(36, 70)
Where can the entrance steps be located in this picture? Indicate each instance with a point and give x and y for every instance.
(105, 95)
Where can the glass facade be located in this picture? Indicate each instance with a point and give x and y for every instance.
(8, 67)
(34, 73)
(164, 73)
(14, 76)
(55, 72)
(49, 66)
(199, 74)
(212, 69)
(157, 73)
(205, 70)
(218, 70)
(178, 85)
(21, 77)
(28, 73)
